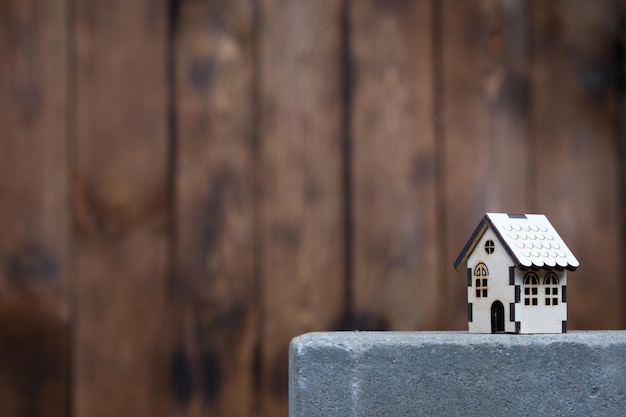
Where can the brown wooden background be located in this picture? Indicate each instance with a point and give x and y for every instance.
(186, 185)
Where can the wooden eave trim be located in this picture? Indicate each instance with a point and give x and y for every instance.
(460, 264)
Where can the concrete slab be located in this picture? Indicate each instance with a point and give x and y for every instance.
(457, 374)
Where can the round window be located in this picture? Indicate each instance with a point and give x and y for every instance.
(489, 247)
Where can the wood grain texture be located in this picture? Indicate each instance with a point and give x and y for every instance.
(300, 142)
(216, 308)
(121, 209)
(396, 263)
(620, 72)
(34, 244)
(486, 93)
(325, 164)
(574, 119)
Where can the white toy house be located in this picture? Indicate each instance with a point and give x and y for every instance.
(516, 267)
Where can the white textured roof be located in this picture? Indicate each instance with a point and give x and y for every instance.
(530, 239)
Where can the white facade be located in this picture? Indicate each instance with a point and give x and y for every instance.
(506, 296)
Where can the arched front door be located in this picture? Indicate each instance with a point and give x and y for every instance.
(497, 317)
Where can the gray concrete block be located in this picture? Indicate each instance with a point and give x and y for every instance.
(457, 374)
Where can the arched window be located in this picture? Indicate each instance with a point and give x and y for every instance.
(551, 283)
(531, 284)
(482, 273)
(481, 270)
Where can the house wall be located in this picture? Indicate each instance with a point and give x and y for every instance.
(541, 318)
(498, 286)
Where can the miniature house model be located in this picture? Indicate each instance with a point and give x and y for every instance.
(516, 268)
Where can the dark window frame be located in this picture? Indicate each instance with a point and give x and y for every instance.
(481, 285)
(490, 247)
(551, 289)
(531, 289)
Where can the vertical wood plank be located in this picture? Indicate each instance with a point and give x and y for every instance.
(121, 208)
(300, 137)
(396, 263)
(34, 321)
(574, 121)
(621, 139)
(216, 309)
(485, 100)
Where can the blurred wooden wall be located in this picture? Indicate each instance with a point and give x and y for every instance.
(186, 185)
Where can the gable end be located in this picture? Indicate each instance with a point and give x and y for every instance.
(461, 261)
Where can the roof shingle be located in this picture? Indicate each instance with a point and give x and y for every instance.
(530, 240)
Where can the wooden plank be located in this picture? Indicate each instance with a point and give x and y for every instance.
(396, 262)
(485, 104)
(216, 309)
(574, 121)
(620, 84)
(34, 314)
(121, 209)
(300, 142)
